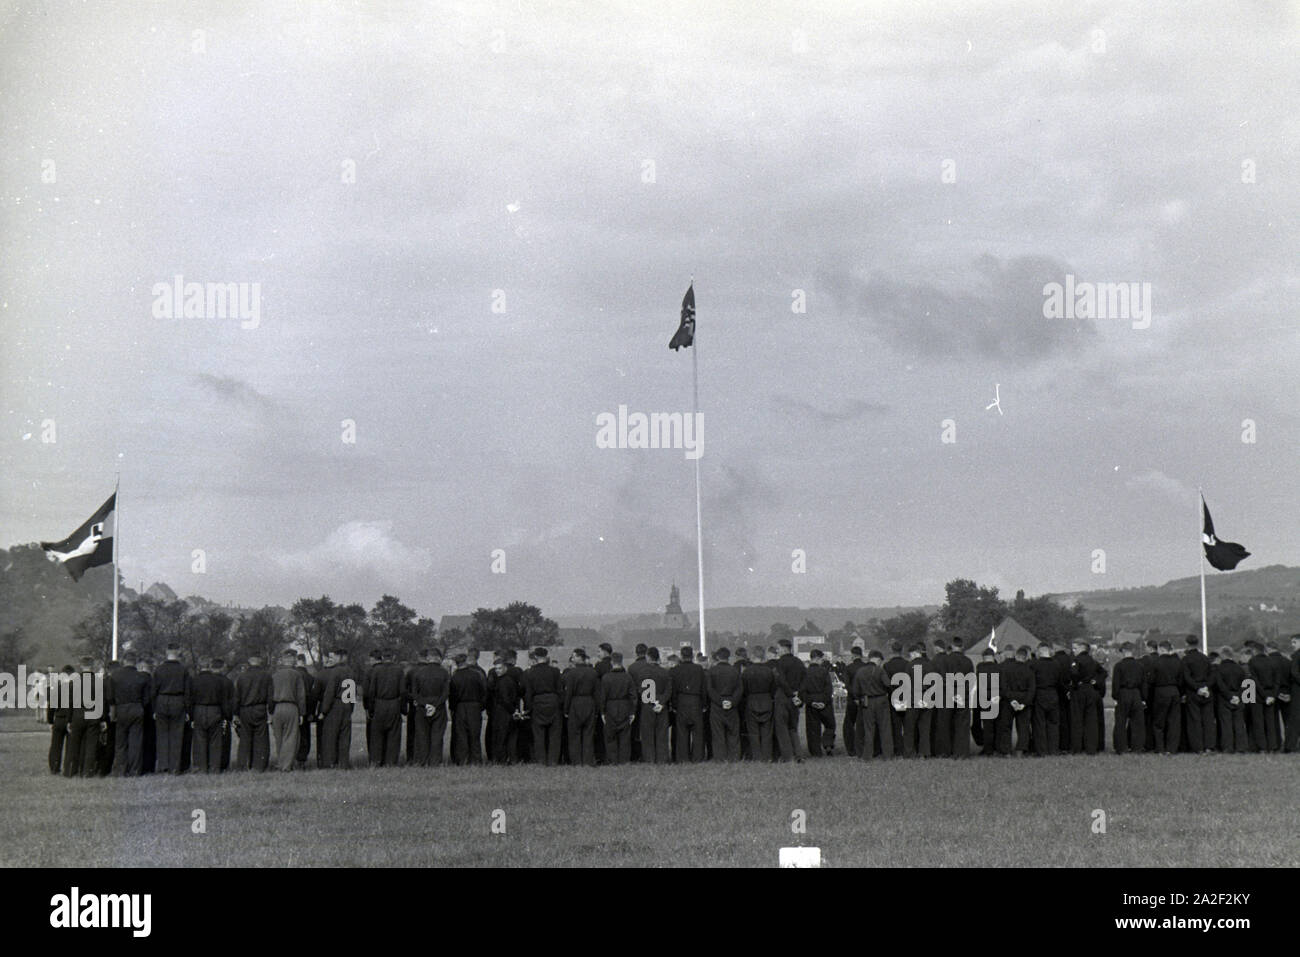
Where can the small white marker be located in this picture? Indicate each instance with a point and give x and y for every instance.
(801, 857)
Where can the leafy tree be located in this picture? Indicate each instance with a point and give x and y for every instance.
(93, 635)
(150, 624)
(971, 610)
(909, 627)
(14, 650)
(315, 622)
(778, 631)
(262, 633)
(451, 638)
(208, 635)
(519, 625)
(1049, 620)
(394, 625)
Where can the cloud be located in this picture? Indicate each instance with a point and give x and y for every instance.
(847, 411)
(1153, 480)
(236, 391)
(359, 546)
(994, 307)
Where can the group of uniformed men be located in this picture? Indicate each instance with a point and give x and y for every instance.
(170, 719)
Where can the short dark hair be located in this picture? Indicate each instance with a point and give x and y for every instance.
(616, 657)
(652, 654)
(640, 649)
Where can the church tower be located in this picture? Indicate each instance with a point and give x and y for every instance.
(674, 618)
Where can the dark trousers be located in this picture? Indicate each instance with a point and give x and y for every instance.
(1292, 713)
(1262, 723)
(1166, 719)
(547, 729)
(504, 735)
(254, 738)
(582, 731)
(385, 744)
(58, 740)
(169, 721)
(1149, 742)
(207, 738)
(225, 747)
(81, 755)
(129, 752)
(989, 734)
(654, 735)
(850, 730)
(334, 738)
(1047, 723)
(690, 730)
(758, 727)
(875, 721)
(819, 729)
(617, 725)
(1200, 722)
(959, 733)
(304, 741)
(1007, 720)
(1083, 719)
(916, 732)
(467, 733)
(1066, 716)
(785, 728)
(725, 726)
(428, 730)
(1232, 728)
(941, 732)
(598, 738)
(1130, 721)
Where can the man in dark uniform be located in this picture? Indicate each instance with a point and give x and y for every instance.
(725, 699)
(1261, 714)
(1085, 699)
(636, 671)
(758, 690)
(1002, 723)
(818, 695)
(786, 715)
(602, 666)
(211, 706)
(1228, 680)
(895, 664)
(129, 693)
(1130, 691)
(960, 665)
(742, 662)
(252, 701)
(706, 722)
(918, 716)
(81, 751)
(688, 692)
(1282, 682)
(58, 714)
(1200, 698)
(941, 714)
(106, 741)
(383, 700)
(504, 695)
(655, 693)
(580, 686)
(872, 690)
(1148, 662)
(1017, 689)
(845, 672)
(1291, 743)
(337, 698)
(1063, 665)
(616, 700)
(467, 697)
(170, 693)
(988, 727)
(427, 687)
(313, 686)
(542, 690)
(1166, 715)
(523, 729)
(1047, 702)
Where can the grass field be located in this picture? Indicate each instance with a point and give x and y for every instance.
(1213, 810)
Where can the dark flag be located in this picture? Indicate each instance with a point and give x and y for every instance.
(88, 546)
(685, 334)
(1222, 555)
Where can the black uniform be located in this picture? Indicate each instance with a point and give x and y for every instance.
(1130, 690)
(252, 695)
(1017, 685)
(58, 713)
(725, 697)
(467, 697)
(384, 701)
(918, 718)
(871, 688)
(897, 716)
(1149, 677)
(1261, 715)
(688, 700)
(312, 687)
(758, 690)
(1085, 702)
(504, 695)
(1063, 665)
(818, 723)
(616, 700)
(1228, 679)
(1200, 700)
(1165, 693)
(1047, 705)
(337, 699)
(427, 687)
(542, 689)
(172, 691)
(580, 686)
(129, 692)
(790, 671)
(850, 727)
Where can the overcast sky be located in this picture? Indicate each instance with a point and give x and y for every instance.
(798, 149)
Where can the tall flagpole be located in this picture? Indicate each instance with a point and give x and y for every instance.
(117, 479)
(1200, 524)
(699, 438)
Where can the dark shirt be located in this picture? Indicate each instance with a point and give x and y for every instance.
(503, 691)
(870, 681)
(1130, 674)
(468, 686)
(580, 681)
(171, 679)
(616, 686)
(541, 679)
(384, 683)
(1047, 674)
(1017, 682)
(1195, 672)
(816, 685)
(336, 681)
(210, 689)
(791, 671)
(428, 684)
(758, 683)
(688, 681)
(253, 688)
(724, 683)
(127, 686)
(1168, 671)
(1228, 678)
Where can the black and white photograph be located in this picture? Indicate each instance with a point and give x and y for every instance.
(445, 437)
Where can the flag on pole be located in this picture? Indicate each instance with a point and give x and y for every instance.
(685, 335)
(88, 546)
(993, 639)
(1222, 555)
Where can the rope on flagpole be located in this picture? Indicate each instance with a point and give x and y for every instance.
(1200, 528)
(117, 480)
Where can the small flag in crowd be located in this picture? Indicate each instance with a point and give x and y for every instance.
(88, 546)
(685, 334)
(993, 639)
(1222, 555)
